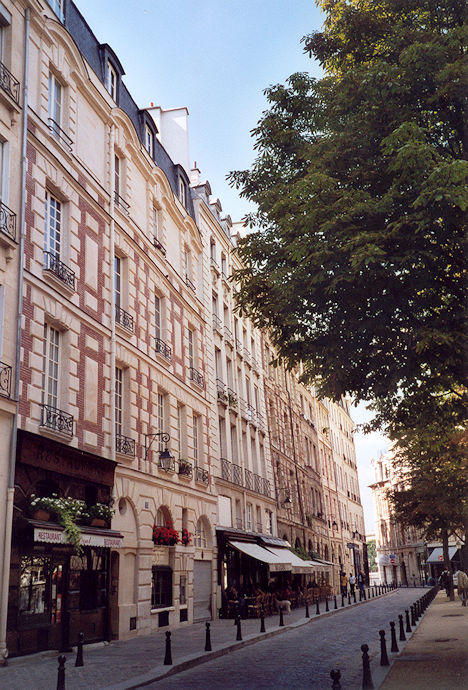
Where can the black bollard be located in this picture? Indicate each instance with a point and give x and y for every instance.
(394, 647)
(413, 616)
(208, 638)
(364, 594)
(79, 650)
(168, 654)
(367, 683)
(334, 599)
(326, 604)
(317, 608)
(262, 620)
(335, 676)
(402, 628)
(383, 649)
(354, 596)
(239, 629)
(281, 621)
(360, 595)
(61, 672)
(408, 626)
(349, 599)
(342, 600)
(307, 615)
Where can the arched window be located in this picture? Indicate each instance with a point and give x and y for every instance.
(163, 517)
(203, 533)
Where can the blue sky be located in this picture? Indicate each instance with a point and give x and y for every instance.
(216, 57)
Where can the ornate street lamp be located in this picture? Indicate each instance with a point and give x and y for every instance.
(166, 459)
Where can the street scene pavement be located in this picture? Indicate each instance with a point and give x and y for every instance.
(299, 655)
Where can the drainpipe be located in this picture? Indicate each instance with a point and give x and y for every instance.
(5, 575)
(112, 254)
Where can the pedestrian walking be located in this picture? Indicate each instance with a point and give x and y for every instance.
(462, 585)
(352, 583)
(361, 581)
(344, 584)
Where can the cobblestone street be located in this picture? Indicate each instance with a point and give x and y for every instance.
(303, 657)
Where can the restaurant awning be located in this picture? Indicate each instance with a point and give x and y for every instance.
(319, 565)
(52, 534)
(297, 564)
(275, 563)
(437, 555)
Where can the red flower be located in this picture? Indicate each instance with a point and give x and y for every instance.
(186, 536)
(165, 536)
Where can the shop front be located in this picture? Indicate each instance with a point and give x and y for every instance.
(58, 589)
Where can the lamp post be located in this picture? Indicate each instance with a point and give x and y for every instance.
(166, 459)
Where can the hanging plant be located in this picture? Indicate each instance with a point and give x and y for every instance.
(165, 536)
(67, 512)
(186, 537)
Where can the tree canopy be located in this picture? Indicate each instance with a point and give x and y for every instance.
(355, 260)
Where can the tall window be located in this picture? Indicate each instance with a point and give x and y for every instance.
(118, 400)
(117, 280)
(52, 225)
(188, 264)
(182, 192)
(179, 431)
(149, 140)
(111, 80)
(196, 450)
(155, 223)
(117, 172)
(55, 103)
(50, 366)
(249, 516)
(191, 350)
(157, 317)
(160, 417)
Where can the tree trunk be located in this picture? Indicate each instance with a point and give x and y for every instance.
(447, 563)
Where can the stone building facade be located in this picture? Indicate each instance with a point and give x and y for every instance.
(132, 383)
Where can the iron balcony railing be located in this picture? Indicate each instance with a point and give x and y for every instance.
(53, 264)
(248, 479)
(196, 377)
(163, 349)
(58, 420)
(60, 134)
(124, 319)
(247, 355)
(201, 475)
(228, 335)
(217, 323)
(266, 491)
(244, 410)
(232, 398)
(221, 391)
(159, 245)
(237, 475)
(251, 414)
(214, 265)
(226, 473)
(185, 468)
(9, 83)
(5, 379)
(7, 221)
(190, 284)
(257, 483)
(125, 445)
(121, 203)
(255, 364)
(239, 347)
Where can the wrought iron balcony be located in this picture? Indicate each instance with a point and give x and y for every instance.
(221, 391)
(9, 84)
(247, 356)
(237, 475)
(201, 475)
(214, 265)
(163, 349)
(7, 221)
(5, 379)
(217, 324)
(60, 134)
(185, 469)
(228, 335)
(248, 479)
(159, 245)
(120, 202)
(225, 277)
(239, 347)
(226, 469)
(53, 264)
(58, 420)
(244, 408)
(125, 445)
(266, 491)
(251, 414)
(257, 483)
(255, 364)
(196, 377)
(190, 284)
(124, 319)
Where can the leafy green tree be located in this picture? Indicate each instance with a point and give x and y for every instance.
(372, 555)
(355, 261)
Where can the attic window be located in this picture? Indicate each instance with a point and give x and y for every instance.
(111, 80)
(57, 6)
(182, 192)
(149, 140)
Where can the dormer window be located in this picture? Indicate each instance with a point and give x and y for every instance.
(57, 6)
(111, 80)
(182, 192)
(149, 140)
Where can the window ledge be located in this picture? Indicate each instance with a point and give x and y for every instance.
(165, 608)
(52, 278)
(47, 431)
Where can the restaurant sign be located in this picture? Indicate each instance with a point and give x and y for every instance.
(52, 536)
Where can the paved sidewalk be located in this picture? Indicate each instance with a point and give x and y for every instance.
(436, 656)
(127, 664)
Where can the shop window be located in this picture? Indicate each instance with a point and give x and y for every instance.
(161, 587)
(34, 596)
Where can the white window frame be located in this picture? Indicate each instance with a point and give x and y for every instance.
(117, 174)
(191, 347)
(55, 103)
(53, 214)
(50, 366)
(160, 404)
(117, 281)
(119, 396)
(158, 312)
(57, 7)
(182, 191)
(196, 439)
(111, 80)
(149, 140)
(155, 222)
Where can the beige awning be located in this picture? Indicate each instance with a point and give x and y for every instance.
(298, 566)
(107, 538)
(275, 563)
